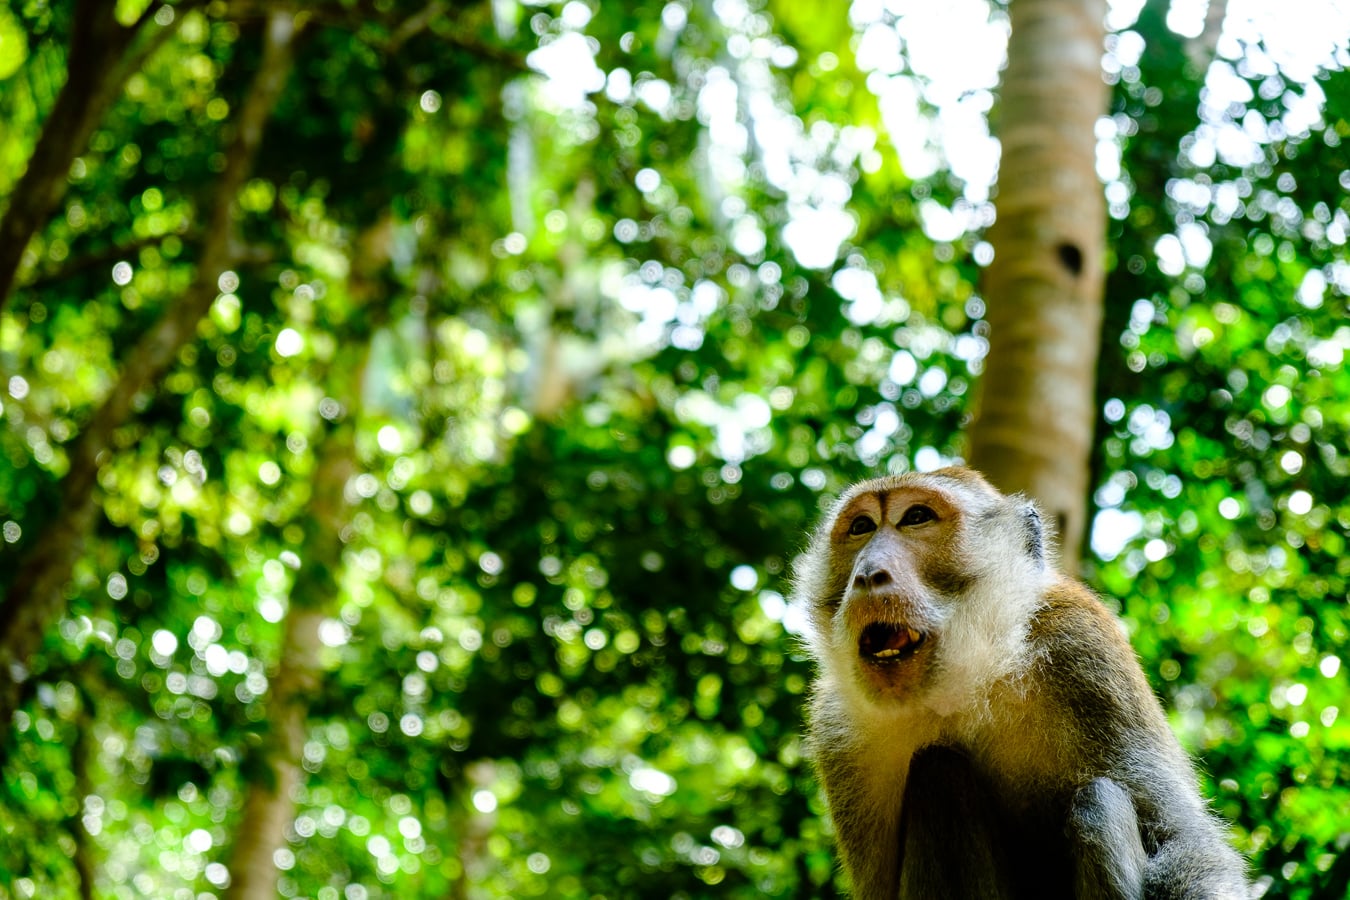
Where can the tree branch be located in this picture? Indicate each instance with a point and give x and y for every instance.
(100, 257)
(97, 68)
(499, 55)
(35, 598)
(135, 60)
(414, 25)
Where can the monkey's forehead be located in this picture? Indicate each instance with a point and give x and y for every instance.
(956, 479)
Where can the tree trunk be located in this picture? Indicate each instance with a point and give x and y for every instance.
(35, 597)
(475, 862)
(270, 805)
(97, 67)
(1044, 287)
(82, 750)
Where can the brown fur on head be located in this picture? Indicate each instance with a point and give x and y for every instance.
(920, 588)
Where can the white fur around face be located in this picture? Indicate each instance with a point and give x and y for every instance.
(986, 639)
(982, 635)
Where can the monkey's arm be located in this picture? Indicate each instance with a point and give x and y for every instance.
(1104, 843)
(1119, 731)
(952, 838)
(1188, 856)
(1196, 864)
(955, 839)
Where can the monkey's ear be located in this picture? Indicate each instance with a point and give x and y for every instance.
(1033, 531)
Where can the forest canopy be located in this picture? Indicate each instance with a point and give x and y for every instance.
(409, 413)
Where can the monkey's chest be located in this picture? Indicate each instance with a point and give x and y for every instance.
(963, 816)
(1023, 771)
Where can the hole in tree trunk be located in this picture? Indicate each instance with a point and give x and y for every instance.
(1071, 257)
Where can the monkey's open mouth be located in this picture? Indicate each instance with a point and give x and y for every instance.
(883, 642)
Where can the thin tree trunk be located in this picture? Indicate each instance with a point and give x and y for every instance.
(35, 598)
(1044, 288)
(475, 863)
(98, 65)
(81, 752)
(1201, 49)
(269, 807)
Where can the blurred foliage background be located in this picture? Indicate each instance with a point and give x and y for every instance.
(421, 405)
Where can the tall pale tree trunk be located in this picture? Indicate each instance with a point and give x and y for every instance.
(1044, 288)
(269, 806)
(474, 830)
(35, 597)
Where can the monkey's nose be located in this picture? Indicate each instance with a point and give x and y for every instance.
(871, 578)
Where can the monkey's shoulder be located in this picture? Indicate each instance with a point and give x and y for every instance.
(1085, 661)
(1073, 618)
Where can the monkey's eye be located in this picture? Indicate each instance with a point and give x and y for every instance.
(862, 525)
(917, 515)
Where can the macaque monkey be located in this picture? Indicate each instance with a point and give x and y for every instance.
(979, 722)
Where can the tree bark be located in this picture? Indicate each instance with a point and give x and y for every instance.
(269, 807)
(98, 65)
(36, 595)
(1044, 287)
(475, 862)
(81, 752)
(1202, 48)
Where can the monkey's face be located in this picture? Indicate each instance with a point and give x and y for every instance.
(896, 551)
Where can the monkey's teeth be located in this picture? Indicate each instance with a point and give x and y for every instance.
(883, 641)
